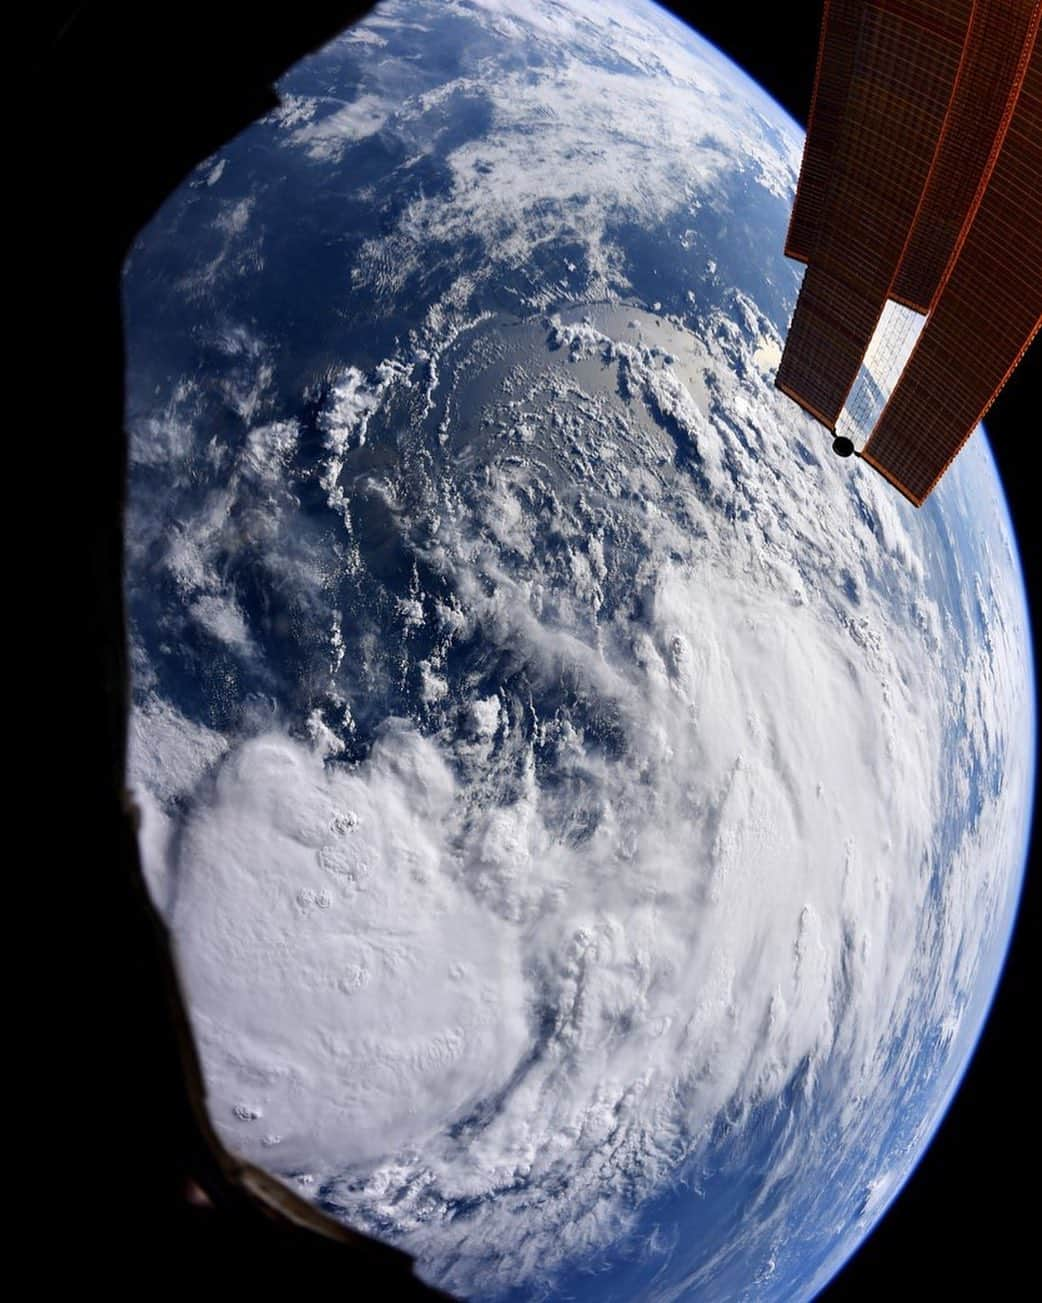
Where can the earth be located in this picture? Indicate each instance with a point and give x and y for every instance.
(590, 815)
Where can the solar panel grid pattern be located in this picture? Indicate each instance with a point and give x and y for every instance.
(988, 310)
(904, 69)
(997, 31)
(836, 48)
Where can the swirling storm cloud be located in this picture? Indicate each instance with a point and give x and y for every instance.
(589, 815)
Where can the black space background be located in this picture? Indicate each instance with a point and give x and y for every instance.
(963, 1226)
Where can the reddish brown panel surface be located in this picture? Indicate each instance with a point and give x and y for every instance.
(907, 56)
(992, 63)
(987, 312)
(827, 338)
(836, 46)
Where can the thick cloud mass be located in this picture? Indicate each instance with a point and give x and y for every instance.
(561, 781)
(348, 989)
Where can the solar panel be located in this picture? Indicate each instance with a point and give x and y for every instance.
(901, 76)
(988, 309)
(921, 182)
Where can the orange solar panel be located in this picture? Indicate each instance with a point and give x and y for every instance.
(987, 310)
(990, 65)
(903, 70)
(836, 46)
(921, 182)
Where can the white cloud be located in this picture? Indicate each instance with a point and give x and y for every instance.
(346, 989)
(222, 618)
(167, 757)
(326, 139)
(585, 139)
(443, 976)
(750, 866)
(653, 936)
